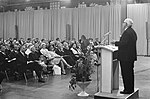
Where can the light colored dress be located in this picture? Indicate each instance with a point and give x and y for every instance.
(50, 55)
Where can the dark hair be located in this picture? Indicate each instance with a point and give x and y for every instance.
(28, 39)
(57, 39)
(42, 40)
(72, 45)
(83, 37)
(11, 46)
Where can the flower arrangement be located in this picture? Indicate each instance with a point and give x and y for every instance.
(82, 71)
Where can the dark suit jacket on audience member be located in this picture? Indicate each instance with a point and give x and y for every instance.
(21, 62)
(34, 56)
(34, 65)
(59, 52)
(13, 63)
(3, 61)
(69, 59)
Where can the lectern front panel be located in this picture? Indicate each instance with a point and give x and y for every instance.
(106, 82)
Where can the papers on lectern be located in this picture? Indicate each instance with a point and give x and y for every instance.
(108, 47)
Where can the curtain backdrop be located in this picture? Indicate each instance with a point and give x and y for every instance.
(68, 23)
(9, 25)
(1, 25)
(25, 24)
(38, 24)
(148, 29)
(138, 12)
(114, 23)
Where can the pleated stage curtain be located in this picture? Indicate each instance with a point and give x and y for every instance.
(9, 25)
(1, 25)
(25, 24)
(75, 21)
(114, 23)
(46, 24)
(38, 24)
(148, 31)
(68, 23)
(139, 14)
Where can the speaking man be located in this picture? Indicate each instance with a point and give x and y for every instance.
(127, 55)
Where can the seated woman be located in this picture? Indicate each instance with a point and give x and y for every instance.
(75, 50)
(66, 53)
(55, 58)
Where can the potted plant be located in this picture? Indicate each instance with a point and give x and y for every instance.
(82, 73)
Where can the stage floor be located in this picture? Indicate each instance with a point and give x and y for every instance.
(56, 87)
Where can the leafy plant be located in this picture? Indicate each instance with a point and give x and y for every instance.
(82, 70)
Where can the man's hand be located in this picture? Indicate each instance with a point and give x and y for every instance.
(113, 42)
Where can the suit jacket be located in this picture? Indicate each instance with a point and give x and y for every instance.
(13, 54)
(59, 52)
(34, 56)
(21, 59)
(127, 46)
(96, 43)
(21, 42)
(68, 52)
(3, 58)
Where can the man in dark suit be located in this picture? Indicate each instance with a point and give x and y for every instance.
(127, 54)
(34, 63)
(22, 63)
(3, 64)
(21, 60)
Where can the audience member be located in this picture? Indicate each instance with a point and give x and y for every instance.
(84, 43)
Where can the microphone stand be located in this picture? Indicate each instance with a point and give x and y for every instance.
(106, 37)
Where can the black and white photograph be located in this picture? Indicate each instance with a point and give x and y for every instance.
(74, 49)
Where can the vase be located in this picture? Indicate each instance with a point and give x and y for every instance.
(83, 85)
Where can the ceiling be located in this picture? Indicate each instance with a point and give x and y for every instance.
(11, 2)
(22, 4)
(6, 5)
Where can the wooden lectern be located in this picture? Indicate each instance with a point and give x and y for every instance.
(109, 69)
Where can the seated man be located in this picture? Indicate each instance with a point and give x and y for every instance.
(34, 63)
(22, 61)
(3, 58)
(3, 63)
(12, 59)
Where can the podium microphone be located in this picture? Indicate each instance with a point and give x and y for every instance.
(107, 33)
(106, 37)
